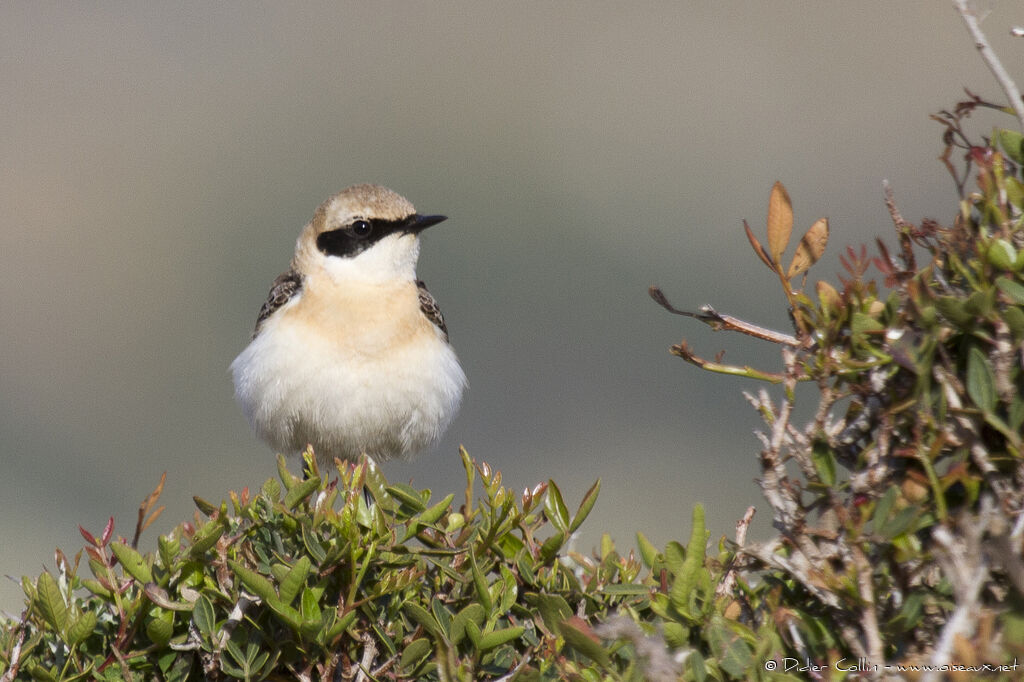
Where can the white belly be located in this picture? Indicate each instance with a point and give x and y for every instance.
(298, 388)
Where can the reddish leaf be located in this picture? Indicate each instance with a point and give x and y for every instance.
(89, 537)
(108, 530)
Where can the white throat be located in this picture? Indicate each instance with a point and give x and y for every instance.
(392, 258)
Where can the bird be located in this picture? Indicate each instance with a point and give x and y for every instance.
(350, 354)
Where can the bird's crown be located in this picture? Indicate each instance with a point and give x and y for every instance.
(362, 201)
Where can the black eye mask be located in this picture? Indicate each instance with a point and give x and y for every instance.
(362, 233)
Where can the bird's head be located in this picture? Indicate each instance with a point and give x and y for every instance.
(364, 232)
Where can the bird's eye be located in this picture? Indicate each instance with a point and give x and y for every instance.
(362, 228)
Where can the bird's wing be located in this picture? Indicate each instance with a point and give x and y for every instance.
(285, 288)
(430, 308)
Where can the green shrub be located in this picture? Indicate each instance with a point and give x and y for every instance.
(898, 510)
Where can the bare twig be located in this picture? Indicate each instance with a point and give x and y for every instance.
(970, 17)
(728, 582)
(369, 654)
(682, 350)
(965, 566)
(15, 657)
(720, 321)
(235, 617)
(868, 616)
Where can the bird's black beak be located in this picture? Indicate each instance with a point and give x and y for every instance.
(418, 223)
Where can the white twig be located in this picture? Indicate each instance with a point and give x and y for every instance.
(728, 583)
(967, 13)
(16, 650)
(963, 562)
(369, 654)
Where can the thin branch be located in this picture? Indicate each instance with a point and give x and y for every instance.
(369, 654)
(967, 13)
(728, 583)
(868, 616)
(15, 657)
(719, 321)
(682, 350)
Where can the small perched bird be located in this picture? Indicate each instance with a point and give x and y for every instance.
(350, 354)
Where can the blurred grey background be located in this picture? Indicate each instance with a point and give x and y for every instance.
(157, 162)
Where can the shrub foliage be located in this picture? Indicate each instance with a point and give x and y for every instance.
(897, 509)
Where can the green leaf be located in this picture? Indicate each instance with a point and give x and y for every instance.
(291, 617)
(824, 462)
(480, 583)
(625, 589)
(160, 627)
(676, 634)
(271, 490)
(205, 538)
(81, 628)
(424, 618)
(582, 642)
(1012, 143)
(132, 562)
(51, 602)
(648, 552)
(96, 587)
(882, 509)
(861, 324)
(589, 498)
(435, 512)
(1016, 414)
(695, 662)
(553, 609)
(288, 478)
(499, 637)
(693, 564)
(1015, 195)
(310, 607)
(254, 582)
(407, 495)
(168, 548)
(550, 548)
(473, 632)
(555, 509)
(1002, 254)
(207, 508)
(899, 523)
(734, 655)
(474, 613)
(294, 580)
(300, 491)
(1014, 318)
(340, 626)
(415, 652)
(675, 555)
(204, 616)
(954, 310)
(1011, 288)
(980, 380)
(980, 303)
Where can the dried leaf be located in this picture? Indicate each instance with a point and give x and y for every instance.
(780, 222)
(758, 249)
(828, 295)
(810, 248)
